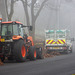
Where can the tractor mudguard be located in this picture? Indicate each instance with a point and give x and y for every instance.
(15, 37)
(31, 39)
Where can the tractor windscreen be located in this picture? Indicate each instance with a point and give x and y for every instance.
(9, 29)
(15, 29)
(6, 29)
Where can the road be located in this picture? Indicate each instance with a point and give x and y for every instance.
(59, 65)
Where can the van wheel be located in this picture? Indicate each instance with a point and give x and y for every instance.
(39, 53)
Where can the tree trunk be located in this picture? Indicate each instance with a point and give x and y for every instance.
(3, 10)
(27, 15)
(33, 19)
(9, 18)
(11, 10)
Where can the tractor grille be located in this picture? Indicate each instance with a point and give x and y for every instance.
(0, 49)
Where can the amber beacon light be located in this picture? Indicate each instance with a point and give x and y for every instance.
(0, 20)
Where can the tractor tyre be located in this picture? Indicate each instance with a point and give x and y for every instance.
(32, 53)
(20, 51)
(39, 53)
(10, 58)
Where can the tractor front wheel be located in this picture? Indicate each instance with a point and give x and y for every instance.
(32, 53)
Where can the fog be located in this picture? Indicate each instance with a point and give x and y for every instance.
(56, 14)
(50, 18)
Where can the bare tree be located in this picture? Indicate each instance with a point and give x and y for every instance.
(25, 5)
(3, 10)
(33, 17)
(10, 14)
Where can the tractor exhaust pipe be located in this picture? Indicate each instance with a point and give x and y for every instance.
(0, 20)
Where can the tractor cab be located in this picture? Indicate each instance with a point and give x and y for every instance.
(10, 29)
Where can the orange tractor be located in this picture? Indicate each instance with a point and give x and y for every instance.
(15, 45)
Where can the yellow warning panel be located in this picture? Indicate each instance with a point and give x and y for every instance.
(2, 40)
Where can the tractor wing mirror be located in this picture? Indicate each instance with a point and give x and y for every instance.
(30, 28)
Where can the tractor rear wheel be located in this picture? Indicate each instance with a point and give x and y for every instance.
(10, 58)
(32, 53)
(20, 51)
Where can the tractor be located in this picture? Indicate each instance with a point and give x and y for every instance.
(15, 44)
